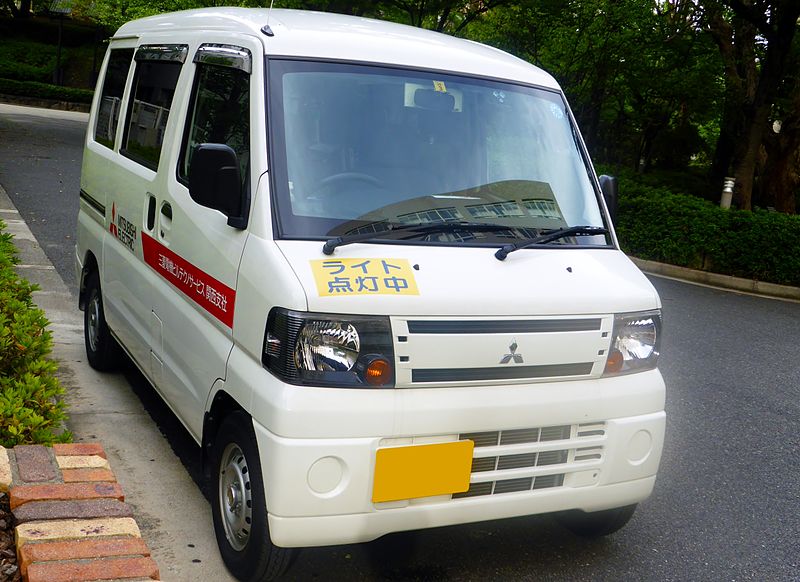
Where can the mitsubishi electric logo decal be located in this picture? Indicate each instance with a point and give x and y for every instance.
(121, 229)
(517, 358)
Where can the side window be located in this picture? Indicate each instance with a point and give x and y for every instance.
(105, 129)
(157, 71)
(220, 107)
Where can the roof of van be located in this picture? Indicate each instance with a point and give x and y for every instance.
(335, 36)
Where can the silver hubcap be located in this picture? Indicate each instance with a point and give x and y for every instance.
(235, 497)
(93, 321)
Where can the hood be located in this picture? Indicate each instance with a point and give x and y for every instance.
(402, 280)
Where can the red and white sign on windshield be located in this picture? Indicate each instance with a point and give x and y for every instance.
(210, 294)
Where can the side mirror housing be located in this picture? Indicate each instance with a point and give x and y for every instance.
(215, 182)
(610, 190)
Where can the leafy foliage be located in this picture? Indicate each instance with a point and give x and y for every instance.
(623, 65)
(656, 224)
(27, 61)
(31, 410)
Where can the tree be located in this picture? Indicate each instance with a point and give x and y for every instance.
(636, 73)
(450, 16)
(780, 178)
(755, 40)
(24, 10)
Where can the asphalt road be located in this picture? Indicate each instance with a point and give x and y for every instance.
(40, 168)
(727, 502)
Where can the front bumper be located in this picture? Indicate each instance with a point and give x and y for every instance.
(319, 491)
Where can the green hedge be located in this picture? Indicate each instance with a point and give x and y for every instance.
(28, 61)
(31, 410)
(44, 91)
(656, 224)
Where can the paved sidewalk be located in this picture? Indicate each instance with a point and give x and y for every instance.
(174, 517)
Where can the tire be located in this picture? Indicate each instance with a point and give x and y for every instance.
(102, 350)
(238, 504)
(596, 523)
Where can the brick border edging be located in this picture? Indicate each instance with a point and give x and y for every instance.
(72, 522)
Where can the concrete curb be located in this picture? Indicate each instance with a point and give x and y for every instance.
(45, 103)
(727, 282)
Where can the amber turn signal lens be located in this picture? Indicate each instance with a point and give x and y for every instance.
(378, 372)
(614, 362)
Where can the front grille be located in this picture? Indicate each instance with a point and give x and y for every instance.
(505, 326)
(549, 453)
(500, 373)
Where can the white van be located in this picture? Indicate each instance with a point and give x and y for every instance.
(371, 270)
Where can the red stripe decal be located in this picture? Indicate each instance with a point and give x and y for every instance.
(210, 294)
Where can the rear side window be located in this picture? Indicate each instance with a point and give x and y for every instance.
(157, 71)
(105, 129)
(220, 107)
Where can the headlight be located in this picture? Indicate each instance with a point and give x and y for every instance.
(635, 343)
(322, 349)
(327, 346)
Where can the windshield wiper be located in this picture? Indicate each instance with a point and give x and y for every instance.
(503, 252)
(431, 227)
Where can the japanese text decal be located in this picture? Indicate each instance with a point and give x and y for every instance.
(344, 277)
(210, 294)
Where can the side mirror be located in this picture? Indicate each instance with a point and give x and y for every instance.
(610, 190)
(215, 182)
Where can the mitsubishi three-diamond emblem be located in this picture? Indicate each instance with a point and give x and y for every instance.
(517, 358)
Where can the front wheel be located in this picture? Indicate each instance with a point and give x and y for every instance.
(596, 523)
(239, 507)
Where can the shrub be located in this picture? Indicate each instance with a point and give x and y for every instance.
(656, 224)
(43, 91)
(31, 410)
(28, 61)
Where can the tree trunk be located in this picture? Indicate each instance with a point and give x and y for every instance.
(730, 132)
(746, 166)
(779, 31)
(736, 42)
(781, 178)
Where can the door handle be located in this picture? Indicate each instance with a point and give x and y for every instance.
(165, 220)
(151, 212)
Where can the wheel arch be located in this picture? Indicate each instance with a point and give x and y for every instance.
(90, 264)
(222, 404)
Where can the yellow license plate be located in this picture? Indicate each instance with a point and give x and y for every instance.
(422, 471)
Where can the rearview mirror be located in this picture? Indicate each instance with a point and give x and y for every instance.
(434, 100)
(215, 182)
(610, 190)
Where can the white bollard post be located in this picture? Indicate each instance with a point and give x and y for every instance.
(727, 192)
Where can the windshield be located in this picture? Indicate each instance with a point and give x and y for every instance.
(359, 149)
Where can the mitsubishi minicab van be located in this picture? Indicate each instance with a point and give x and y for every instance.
(372, 271)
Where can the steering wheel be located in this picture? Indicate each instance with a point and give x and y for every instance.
(335, 200)
(347, 177)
